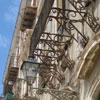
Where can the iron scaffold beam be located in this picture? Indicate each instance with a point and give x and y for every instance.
(50, 48)
(50, 55)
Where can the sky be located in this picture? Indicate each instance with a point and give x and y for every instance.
(8, 15)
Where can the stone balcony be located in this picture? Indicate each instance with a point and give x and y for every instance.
(28, 18)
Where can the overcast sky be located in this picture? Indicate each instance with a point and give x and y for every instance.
(8, 15)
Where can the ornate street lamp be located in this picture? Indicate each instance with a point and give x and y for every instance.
(30, 68)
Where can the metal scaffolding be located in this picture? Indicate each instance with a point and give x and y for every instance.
(55, 45)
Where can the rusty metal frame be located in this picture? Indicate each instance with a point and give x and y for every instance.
(68, 20)
(89, 18)
(49, 68)
(54, 51)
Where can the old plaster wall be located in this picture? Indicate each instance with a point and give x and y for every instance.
(90, 86)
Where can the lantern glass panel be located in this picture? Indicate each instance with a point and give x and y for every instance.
(30, 69)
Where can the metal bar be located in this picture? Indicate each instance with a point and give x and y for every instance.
(56, 34)
(45, 56)
(71, 20)
(58, 42)
(47, 50)
(66, 10)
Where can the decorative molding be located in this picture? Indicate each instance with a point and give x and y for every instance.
(89, 57)
(93, 91)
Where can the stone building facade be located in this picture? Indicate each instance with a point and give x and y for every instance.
(64, 37)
